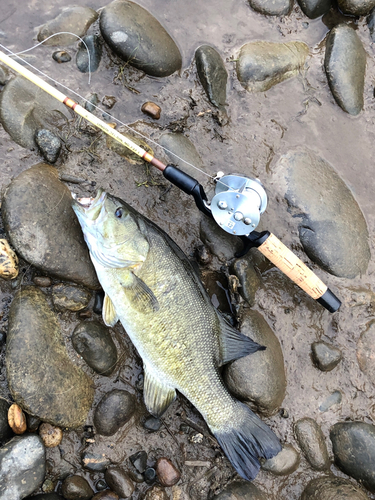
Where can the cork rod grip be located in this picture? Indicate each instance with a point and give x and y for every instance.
(292, 266)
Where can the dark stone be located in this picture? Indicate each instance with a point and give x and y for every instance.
(113, 411)
(101, 485)
(95, 49)
(22, 466)
(260, 65)
(345, 65)
(106, 495)
(150, 475)
(61, 56)
(32, 423)
(95, 461)
(315, 8)
(212, 75)
(76, 488)
(332, 488)
(240, 490)
(49, 145)
(70, 297)
(98, 302)
(4, 74)
(260, 378)
(152, 424)
(52, 387)
(46, 496)
(5, 431)
(331, 218)
(311, 440)
(139, 460)
(119, 481)
(272, 7)
(356, 7)
(46, 231)
(94, 343)
(25, 109)
(92, 102)
(248, 277)
(284, 463)
(353, 446)
(137, 37)
(76, 20)
(325, 356)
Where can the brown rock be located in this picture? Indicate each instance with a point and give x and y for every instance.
(156, 493)
(16, 419)
(151, 109)
(106, 495)
(51, 435)
(119, 481)
(42, 281)
(8, 261)
(167, 473)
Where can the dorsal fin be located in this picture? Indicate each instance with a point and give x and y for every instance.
(157, 395)
(234, 344)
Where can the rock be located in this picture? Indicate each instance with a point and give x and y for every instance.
(180, 147)
(152, 424)
(315, 8)
(139, 460)
(259, 378)
(76, 20)
(151, 109)
(61, 56)
(167, 473)
(98, 302)
(326, 208)
(34, 358)
(32, 423)
(8, 261)
(93, 342)
(261, 65)
(70, 297)
(212, 75)
(105, 495)
(43, 496)
(121, 150)
(311, 440)
(49, 145)
(353, 446)
(95, 49)
(325, 356)
(138, 38)
(4, 74)
(332, 488)
(5, 430)
(248, 277)
(370, 24)
(150, 475)
(272, 7)
(356, 7)
(156, 493)
(219, 242)
(50, 434)
(25, 109)
(94, 461)
(113, 411)
(22, 466)
(345, 65)
(109, 101)
(92, 102)
(366, 351)
(333, 399)
(42, 281)
(46, 231)
(16, 419)
(76, 488)
(239, 490)
(119, 481)
(284, 463)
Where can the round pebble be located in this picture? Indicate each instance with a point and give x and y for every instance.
(106, 495)
(150, 475)
(284, 463)
(119, 481)
(76, 487)
(17, 419)
(325, 356)
(49, 145)
(61, 56)
(51, 435)
(167, 473)
(42, 281)
(152, 424)
(73, 298)
(311, 440)
(95, 461)
(151, 109)
(113, 411)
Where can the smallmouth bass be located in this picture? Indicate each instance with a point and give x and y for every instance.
(151, 287)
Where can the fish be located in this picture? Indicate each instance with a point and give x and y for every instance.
(153, 290)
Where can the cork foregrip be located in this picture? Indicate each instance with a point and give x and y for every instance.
(292, 266)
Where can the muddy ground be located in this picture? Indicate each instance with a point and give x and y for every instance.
(298, 112)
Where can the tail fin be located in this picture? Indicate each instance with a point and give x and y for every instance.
(245, 439)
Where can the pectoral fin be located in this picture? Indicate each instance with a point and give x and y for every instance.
(234, 344)
(110, 317)
(157, 395)
(139, 294)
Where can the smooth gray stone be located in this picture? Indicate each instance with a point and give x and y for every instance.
(22, 466)
(49, 145)
(353, 446)
(315, 8)
(260, 378)
(356, 7)
(248, 277)
(261, 65)
(178, 144)
(332, 488)
(70, 297)
(272, 7)
(95, 49)
(46, 231)
(345, 65)
(25, 109)
(41, 377)
(113, 411)
(137, 37)
(240, 490)
(94, 343)
(76, 20)
(284, 463)
(5, 431)
(219, 242)
(366, 351)
(312, 443)
(212, 75)
(333, 399)
(325, 356)
(333, 230)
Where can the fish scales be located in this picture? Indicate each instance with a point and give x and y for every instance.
(153, 290)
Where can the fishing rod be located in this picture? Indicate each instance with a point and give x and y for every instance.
(236, 206)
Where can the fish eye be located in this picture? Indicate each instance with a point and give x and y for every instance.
(118, 213)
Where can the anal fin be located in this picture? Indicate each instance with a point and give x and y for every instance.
(234, 344)
(157, 395)
(109, 314)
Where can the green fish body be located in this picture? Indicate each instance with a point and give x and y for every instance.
(151, 287)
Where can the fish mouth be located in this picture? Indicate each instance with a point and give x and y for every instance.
(89, 208)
